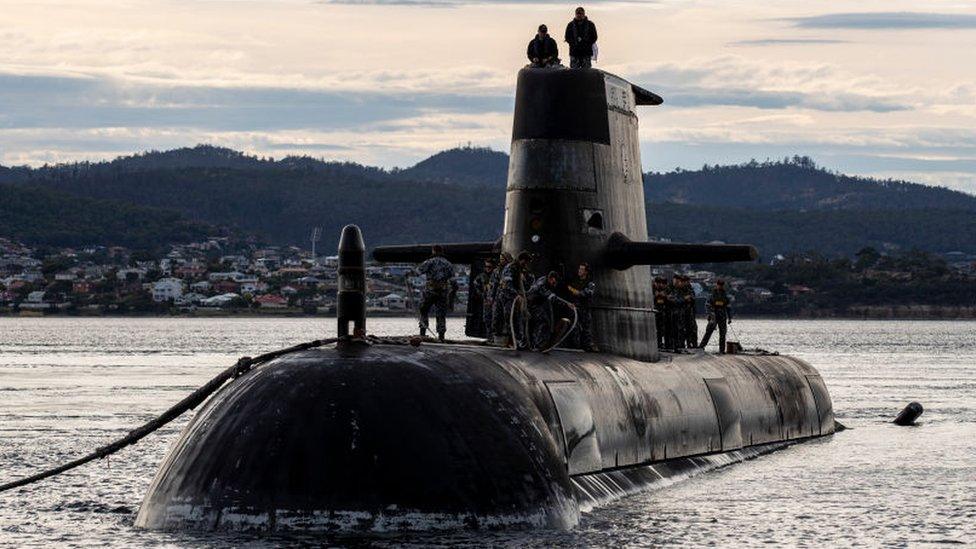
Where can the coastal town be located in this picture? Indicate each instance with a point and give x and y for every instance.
(224, 276)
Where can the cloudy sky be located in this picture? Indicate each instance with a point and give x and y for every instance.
(871, 87)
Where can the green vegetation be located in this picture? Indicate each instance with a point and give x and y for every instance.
(812, 284)
(42, 216)
(458, 195)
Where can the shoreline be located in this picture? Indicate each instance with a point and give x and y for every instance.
(809, 315)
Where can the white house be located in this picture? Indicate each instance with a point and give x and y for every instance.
(392, 302)
(221, 300)
(191, 298)
(202, 286)
(36, 296)
(167, 289)
(124, 274)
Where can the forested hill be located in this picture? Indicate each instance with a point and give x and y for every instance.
(458, 195)
(794, 184)
(469, 166)
(44, 217)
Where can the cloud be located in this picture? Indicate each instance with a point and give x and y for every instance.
(739, 81)
(739, 97)
(92, 102)
(886, 21)
(786, 42)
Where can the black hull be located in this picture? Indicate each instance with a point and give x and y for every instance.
(389, 437)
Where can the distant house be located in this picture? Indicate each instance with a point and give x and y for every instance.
(231, 275)
(167, 289)
(65, 276)
(81, 287)
(221, 300)
(269, 301)
(392, 302)
(202, 286)
(797, 289)
(36, 301)
(226, 286)
(190, 298)
(308, 281)
(289, 290)
(253, 286)
(36, 296)
(130, 274)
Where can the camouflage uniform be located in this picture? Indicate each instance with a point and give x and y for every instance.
(440, 273)
(511, 285)
(584, 290)
(675, 316)
(690, 332)
(482, 287)
(540, 297)
(661, 317)
(499, 320)
(719, 314)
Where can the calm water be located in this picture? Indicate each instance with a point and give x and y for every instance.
(69, 385)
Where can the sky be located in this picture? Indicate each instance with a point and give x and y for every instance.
(878, 88)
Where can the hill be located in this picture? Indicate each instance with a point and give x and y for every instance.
(42, 216)
(831, 232)
(795, 184)
(468, 166)
(458, 195)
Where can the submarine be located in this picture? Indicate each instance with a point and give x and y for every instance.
(374, 434)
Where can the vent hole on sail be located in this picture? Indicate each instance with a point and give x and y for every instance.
(594, 220)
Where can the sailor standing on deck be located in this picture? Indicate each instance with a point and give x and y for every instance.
(675, 313)
(661, 313)
(690, 328)
(719, 314)
(440, 273)
(581, 35)
(540, 297)
(499, 319)
(482, 288)
(581, 292)
(515, 280)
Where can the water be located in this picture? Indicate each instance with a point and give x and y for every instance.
(69, 385)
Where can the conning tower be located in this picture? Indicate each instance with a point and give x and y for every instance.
(576, 193)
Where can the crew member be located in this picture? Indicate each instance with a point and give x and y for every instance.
(690, 332)
(440, 273)
(719, 314)
(481, 287)
(515, 279)
(581, 292)
(541, 297)
(676, 312)
(581, 35)
(542, 50)
(499, 317)
(661, 313)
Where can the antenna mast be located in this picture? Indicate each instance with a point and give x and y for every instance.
(316, 236)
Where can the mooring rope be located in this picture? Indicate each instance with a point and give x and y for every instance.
(194, 399)
(571, 328)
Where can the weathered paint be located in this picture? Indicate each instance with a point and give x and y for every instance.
(574, 179)
(375, 437)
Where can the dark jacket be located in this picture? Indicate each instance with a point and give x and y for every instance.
(542, 49)
(581, 36)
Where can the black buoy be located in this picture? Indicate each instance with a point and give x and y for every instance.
(909, 414)
(351, 302)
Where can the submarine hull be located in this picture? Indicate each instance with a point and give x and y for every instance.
(393, 437)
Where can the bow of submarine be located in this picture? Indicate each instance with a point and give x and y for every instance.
(367, 437)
